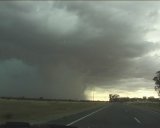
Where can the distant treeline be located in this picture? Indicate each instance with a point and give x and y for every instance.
(117, 98)
(44, 99)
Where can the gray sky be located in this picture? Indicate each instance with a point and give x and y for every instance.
(61, 49)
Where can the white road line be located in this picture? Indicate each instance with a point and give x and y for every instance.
(85, 116)
(138, 121)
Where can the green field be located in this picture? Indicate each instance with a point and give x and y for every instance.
(38, 111)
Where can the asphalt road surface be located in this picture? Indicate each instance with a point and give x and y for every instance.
(116, 115)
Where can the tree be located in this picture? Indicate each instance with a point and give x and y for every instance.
(40, 98)
(113, 97)
(151, 98)
(157, 82)
(144, 98)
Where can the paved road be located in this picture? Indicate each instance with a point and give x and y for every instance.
(116, 115)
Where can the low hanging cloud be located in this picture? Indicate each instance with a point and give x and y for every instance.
(61, 48)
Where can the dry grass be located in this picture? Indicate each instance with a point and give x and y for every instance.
(32, 111)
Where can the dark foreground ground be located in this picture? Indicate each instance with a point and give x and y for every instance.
(114, 115)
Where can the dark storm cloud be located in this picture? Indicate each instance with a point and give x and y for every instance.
(18, 79)
(72, 45)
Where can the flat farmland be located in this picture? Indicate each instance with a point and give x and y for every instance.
(41, 111)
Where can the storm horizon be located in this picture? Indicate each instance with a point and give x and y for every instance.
(58, 49)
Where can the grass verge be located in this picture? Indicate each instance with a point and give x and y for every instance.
(154, 106)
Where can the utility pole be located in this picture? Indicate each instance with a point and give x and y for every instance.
(93, 94)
